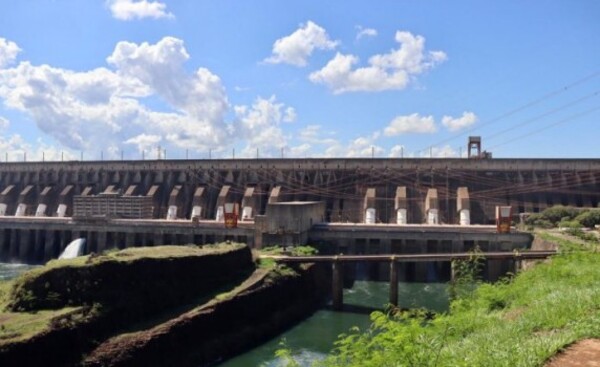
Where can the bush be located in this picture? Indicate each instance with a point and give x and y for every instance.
(559, 213)
(569, 224)
(589, 218)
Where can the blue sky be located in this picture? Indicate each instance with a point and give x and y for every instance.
(309, 78)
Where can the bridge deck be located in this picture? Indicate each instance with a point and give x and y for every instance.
(525, 255)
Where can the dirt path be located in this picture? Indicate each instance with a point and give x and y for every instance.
(585, 353)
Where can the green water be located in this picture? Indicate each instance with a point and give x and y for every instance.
(313, 338)
(10, 271)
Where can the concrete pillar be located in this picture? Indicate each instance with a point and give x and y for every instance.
(463, 206)
(432, 207)
(337, 284)
(369, 211)
(249, 204)
(394, 282)
(13, 253)
(39, 244)
(129, 240)
(189, 238)
(26, 245)
(518, 265)
(92, 242)
(49, 245)
(102, 237)
(401, 205)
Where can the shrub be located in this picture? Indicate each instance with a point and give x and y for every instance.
(559, 213)
(589, 218)
(569, 224)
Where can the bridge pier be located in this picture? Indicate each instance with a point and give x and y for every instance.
(518, 264)
(394, 282)
(337, 283)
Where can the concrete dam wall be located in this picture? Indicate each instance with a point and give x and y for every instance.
(43, 205)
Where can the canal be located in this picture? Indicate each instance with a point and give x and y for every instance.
(313, 338)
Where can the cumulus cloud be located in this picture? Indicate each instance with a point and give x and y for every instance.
(413, 123)
(102, 107)
(8, 52)
(398, 151)
(365, 32)
(363, 146)
(144, 142)
(132, 9)
(260, 126)
(457, 123)
(298, 46)
(445, 151)
(390, 71)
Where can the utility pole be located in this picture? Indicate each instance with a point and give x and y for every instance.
(209, 153)
(372, 152)
(233, 153)
(401, 152)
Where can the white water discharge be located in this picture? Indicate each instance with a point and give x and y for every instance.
(73, 249)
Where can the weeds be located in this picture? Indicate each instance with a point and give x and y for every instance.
(521, 321)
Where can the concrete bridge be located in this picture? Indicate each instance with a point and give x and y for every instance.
(337, 262)
(358, 204)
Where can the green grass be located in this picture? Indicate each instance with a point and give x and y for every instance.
(521, 321)
(16, 326)
(154, 252)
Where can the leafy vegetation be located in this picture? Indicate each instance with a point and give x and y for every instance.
(564, 216)
(521, 321)
(291, 251)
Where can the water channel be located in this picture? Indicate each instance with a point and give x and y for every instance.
(313, 338)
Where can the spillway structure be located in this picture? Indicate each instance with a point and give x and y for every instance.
(356, 204)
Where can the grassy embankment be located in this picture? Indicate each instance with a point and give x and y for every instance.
(17, 326)
(522, 321)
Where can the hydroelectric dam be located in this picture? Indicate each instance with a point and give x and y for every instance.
(366, 205)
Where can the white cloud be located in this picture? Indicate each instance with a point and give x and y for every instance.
(298, 46)
(364, 146)
(104, 108)
(132, 9)
(414, 123)
(312, 134)
(440, 152)
(299, 151)
(398, 151)
(259, 125)
(8, 52)
(290, 115)
(453, 124)
(144, 142)
(393, 70)
(365, 32)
